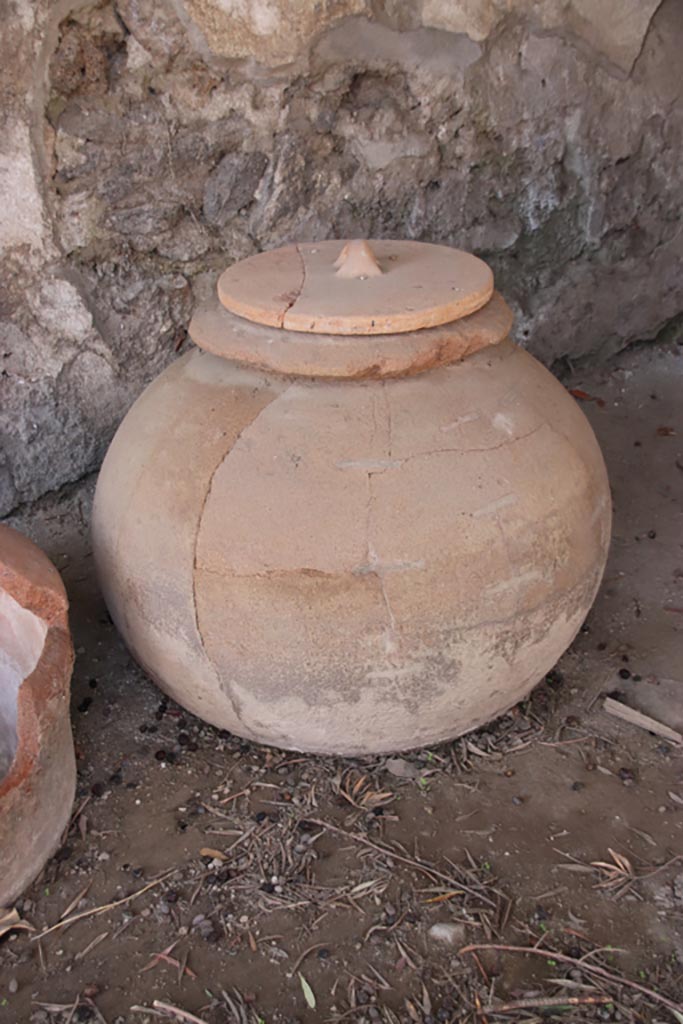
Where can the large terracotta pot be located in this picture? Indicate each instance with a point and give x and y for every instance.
(352, 542)
(37, 763)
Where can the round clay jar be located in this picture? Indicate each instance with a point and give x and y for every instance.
(357, 518)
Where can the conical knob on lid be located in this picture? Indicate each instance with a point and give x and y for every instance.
(352, 309)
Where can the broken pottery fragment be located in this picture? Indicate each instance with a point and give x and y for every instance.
(37, 763)
(357, 518)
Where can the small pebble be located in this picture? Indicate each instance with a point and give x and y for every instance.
(448, 933)
(13, 986)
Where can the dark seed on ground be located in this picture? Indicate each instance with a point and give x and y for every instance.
(627, 776)
(160, 755)
(183, 739)
(97, 789)
(260, 816)
(92, 683)
(577, 786)
(624, 673)
(85, 704)
(324, 953)
(652, 534)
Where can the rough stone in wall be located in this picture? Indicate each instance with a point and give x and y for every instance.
(149, 142)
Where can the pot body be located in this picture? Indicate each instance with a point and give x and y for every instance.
(352, 567)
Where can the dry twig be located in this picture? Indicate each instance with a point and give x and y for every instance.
(549, 954)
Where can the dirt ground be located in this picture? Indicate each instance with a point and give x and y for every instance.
(324, 879)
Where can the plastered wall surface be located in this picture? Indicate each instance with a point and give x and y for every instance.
(148, 143)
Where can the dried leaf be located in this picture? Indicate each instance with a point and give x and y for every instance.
(583, 396)
(206, 851)
(371, 799)
(401, 768)
(308, 992)
(412, 1011)
(621, 861)
(10, 920)
(445, 896)
(359, 785)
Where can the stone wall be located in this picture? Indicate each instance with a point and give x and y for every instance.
(147, 143)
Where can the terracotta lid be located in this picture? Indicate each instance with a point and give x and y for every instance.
(356, 287)
(343, 356)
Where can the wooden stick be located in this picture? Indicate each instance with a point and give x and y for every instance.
(175, 1011)
(534, 1004)
(160, 1009)
(386, 851)
(550, 954)
(104, 908)
(306, 952)
(633, 717)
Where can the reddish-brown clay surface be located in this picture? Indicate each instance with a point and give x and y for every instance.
(311, 288)
(351, 357)
(352, 567)
(37, 766)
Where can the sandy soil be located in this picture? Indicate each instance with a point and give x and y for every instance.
(324, 879)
